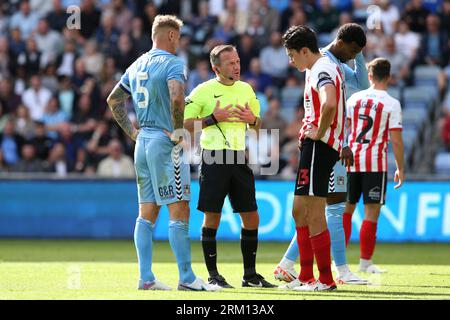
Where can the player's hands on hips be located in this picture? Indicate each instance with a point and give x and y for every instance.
(347, 156)
(175, 139)
(399, 177)
(245, 114)
(312, 132)
(223, 114)
(135, 134)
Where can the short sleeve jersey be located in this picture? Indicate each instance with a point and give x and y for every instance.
(372, 114)
(146, 81)
(201, 103)
(323, 72)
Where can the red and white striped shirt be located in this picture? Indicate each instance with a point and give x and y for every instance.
(325, 71)
(372, 114)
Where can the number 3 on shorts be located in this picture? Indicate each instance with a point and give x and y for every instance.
(303, 177)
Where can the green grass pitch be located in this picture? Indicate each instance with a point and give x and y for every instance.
(86, 269)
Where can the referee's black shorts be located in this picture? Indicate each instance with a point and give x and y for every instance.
(221, 178)
(317, 160)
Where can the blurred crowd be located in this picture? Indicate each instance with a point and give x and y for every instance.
(54, 80)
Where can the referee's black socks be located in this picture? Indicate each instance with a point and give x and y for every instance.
(209, 245)
(249, 245)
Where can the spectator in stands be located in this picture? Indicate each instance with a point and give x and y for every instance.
(31, 60)
(10, 143)
(399, 63)
(28, 163)
(406, 41)
(49, 42)
(80, 75)
(274, 60)
(124, 55)
(16, 43)
(433, 44)
(289, 172)
(261, 96)
(325, 19)
(272, 119)
(257, 31)
(6, 59)
(201, 74)
(270, 17)
(84, 119)
(57, 161)
(41, 142)
(107, 35)
(262, 79)
(57, 17)
(225, 32)
(66, 60)
(344, 18)
(186, 54)
(92, 59)
(4, 22)
(389, 16)
(23, 123)
(25, 19)
(240, 16)
(415, 15)
(116, 164)
(53, 118)
(8, 98)
(98, 146)
(203, 24)
(3, 116)
(247, 51)
(444, 16)
(3, 165)
(36, 98)
(71, 142)
(90, 18)
(49, 78)
(123, 15)
(142, 42)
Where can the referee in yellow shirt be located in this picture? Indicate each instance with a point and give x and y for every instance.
(226, 107)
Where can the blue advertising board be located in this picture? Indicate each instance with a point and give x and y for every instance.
(417, 212)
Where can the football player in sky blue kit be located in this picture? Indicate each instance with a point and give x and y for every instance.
(155, 82)
(348, 45)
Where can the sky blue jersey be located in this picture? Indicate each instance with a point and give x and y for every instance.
(355, 80)
(146, 81)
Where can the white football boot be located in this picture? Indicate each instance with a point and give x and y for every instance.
(286, 274)
(295, 283)
(198, 285)
(351, 278)
(152, 285)
(317, 286)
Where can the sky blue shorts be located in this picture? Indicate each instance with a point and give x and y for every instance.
(162, 175)
(338, 179)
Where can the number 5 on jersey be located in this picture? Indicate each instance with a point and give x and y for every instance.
(142, 76)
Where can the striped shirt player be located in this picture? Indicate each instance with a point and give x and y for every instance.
(316, 177)
(374, 117)
(372, 114)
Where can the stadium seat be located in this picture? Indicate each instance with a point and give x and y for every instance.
(442, 162)
(426, 75)
(418, 97)
(394, 92)
(290, 96)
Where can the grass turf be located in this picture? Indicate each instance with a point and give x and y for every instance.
(86, 269)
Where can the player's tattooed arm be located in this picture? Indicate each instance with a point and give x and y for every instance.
(116, 102)
(176, 92)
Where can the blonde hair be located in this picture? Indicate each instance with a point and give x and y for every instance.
(165, 21)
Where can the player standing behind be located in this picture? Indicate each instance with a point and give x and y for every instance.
(321, 144)
(373, 115)
(155, 82)
(348, 45)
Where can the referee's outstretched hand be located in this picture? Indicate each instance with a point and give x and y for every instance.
(223, 114)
